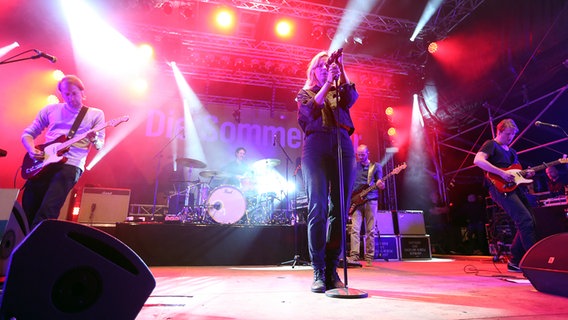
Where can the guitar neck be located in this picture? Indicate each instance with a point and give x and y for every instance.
(373, 187)
(543, 166)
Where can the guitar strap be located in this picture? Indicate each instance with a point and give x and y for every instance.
(78, 120)
(371, 172)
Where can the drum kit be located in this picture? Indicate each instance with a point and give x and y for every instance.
(224, 203)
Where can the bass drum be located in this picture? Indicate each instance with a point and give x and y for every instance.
(226, 204)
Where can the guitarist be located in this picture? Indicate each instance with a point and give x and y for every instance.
(45, 194)
(494, 157)
(367, 173)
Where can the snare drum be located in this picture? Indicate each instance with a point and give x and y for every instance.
(226, 204)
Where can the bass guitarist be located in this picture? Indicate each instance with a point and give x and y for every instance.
(494, 157)
(45, 193)
(367, 173)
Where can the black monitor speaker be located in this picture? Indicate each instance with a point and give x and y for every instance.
(65, 270)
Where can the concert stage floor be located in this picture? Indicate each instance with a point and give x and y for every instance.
(234, 272)
(448, 287)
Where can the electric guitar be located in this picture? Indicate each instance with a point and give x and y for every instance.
(515, 169)
(54, 150)
(359, 196)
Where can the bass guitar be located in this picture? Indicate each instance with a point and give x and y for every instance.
(359, 196)
(516, 170)
(54, 150)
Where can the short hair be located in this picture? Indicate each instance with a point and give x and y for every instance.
(507, 123)
(363, 147)
(72, 79)
(239, 149)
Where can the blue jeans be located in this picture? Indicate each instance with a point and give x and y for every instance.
(321, 177)
(45, 195)
(517, 209)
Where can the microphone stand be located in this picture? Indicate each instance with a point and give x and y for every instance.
(158, 165)
(296, 260)
(347, 293)
(12, 60)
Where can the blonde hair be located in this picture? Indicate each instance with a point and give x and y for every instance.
(311, 80)
(74, 80)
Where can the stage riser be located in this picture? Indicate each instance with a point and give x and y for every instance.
(208, 245)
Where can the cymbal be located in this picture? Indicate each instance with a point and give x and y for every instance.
(267, 162)
(192, 163)
(212, 173)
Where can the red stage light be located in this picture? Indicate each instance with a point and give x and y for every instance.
(432, 47)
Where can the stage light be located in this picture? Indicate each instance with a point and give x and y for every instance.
(146, 52)
(52, 99)
(225, 18)
(237, 115)
(166, 7)
(317, 32)
(432, 47)
(389, 111)
(58, 75)
(284, 28)
(187, 12)
(391, 131)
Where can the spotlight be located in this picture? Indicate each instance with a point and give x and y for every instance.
(432, 47)
(237, 115)
(167, 7)
(284, 28)
(317, 32)
(187, 12)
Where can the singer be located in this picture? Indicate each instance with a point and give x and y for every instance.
(45, 194)
(321, 115)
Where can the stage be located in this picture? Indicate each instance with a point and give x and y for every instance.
(445, 287)
(182, 244)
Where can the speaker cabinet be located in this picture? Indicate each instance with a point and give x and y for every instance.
(546, 265)
(104, 205)
(65, 270)
(385, 222)
(15, 232)
(410, 222)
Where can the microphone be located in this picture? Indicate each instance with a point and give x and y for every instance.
(540, 123)
(3, 153)
(45, 55)
(333, 57)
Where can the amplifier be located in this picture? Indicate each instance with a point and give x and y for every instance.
(385, 224)
(104, 205)
(410, 222)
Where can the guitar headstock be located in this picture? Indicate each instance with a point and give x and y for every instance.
(115, 122)
(563, 160)
(399, 168)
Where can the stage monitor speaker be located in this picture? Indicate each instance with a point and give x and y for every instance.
(546, 265)
(104, 205)
(65, 270)
(15, 232)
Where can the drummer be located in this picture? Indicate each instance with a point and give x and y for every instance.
(238, 171)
